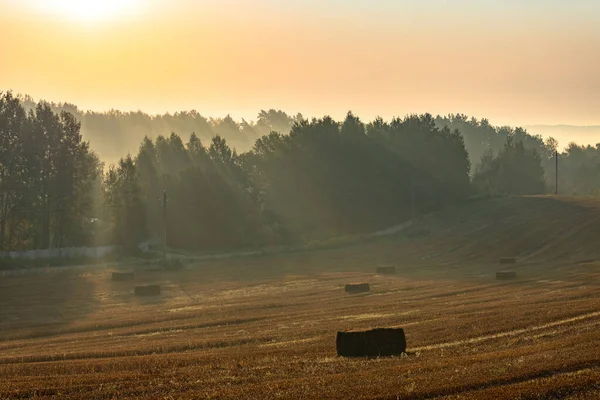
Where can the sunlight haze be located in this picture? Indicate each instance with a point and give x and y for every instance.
(86, 11)
(299, 199)
(513, 63)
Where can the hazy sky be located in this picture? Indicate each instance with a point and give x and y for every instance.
(513, 61)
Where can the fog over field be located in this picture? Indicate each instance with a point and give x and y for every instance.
(268, 199)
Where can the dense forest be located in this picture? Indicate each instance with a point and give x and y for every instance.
(299, 180)
(113, 134)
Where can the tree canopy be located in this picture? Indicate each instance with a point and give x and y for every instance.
(299, 180)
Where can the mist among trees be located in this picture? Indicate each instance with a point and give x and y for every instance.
(113, 134)
(295, 180)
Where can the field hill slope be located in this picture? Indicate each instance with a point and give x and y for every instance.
(265, 326)
(532, 229)
(536, 230)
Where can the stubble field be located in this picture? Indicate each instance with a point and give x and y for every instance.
(265, 327)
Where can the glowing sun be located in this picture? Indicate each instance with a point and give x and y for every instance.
(91, 10)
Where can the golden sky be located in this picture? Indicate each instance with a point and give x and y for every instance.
(514, 63)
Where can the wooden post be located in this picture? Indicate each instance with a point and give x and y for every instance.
(556, 184)
(412, 188)
(165, 224)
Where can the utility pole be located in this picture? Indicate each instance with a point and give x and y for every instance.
(165, 224)
(412, 189)
(556, 184)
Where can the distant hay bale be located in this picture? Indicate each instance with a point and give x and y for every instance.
(506, 275)
(147, 290)
(508, 260)
(380, 342)
(123, 276)
(389, 270)
(354, 288)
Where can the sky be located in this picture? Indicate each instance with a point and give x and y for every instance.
(512, 61)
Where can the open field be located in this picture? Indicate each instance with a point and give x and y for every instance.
(264, 327)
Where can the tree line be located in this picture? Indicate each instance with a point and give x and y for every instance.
(324, 178)
(47, 177)
(114, 133)
(316, 179)
(579, 170)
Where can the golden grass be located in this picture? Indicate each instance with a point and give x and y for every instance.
(265, 327)
(213, 334)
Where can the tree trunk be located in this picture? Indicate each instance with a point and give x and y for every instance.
(58, 235)
(2, 227)
(46, 225)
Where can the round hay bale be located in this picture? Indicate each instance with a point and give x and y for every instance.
(508, 260)
(123, 276)
(379, 342)
(147, 290)
(387, 270)
(350, 344)
(506, 275)
(354, 288)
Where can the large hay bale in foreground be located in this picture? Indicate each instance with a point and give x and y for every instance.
(354, 288)
(508, 260)
(147, 290)
(123, 276)
(380, 342)
(350, 344)
(388, 270)
(506, 275)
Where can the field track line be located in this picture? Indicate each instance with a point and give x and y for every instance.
(162, 350)
(515, 332)
(552, 241)
(577, 368)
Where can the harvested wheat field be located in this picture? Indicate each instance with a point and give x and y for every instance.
(265, 327)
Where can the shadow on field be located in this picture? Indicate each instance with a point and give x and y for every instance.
(41, 304)
(552, 239)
